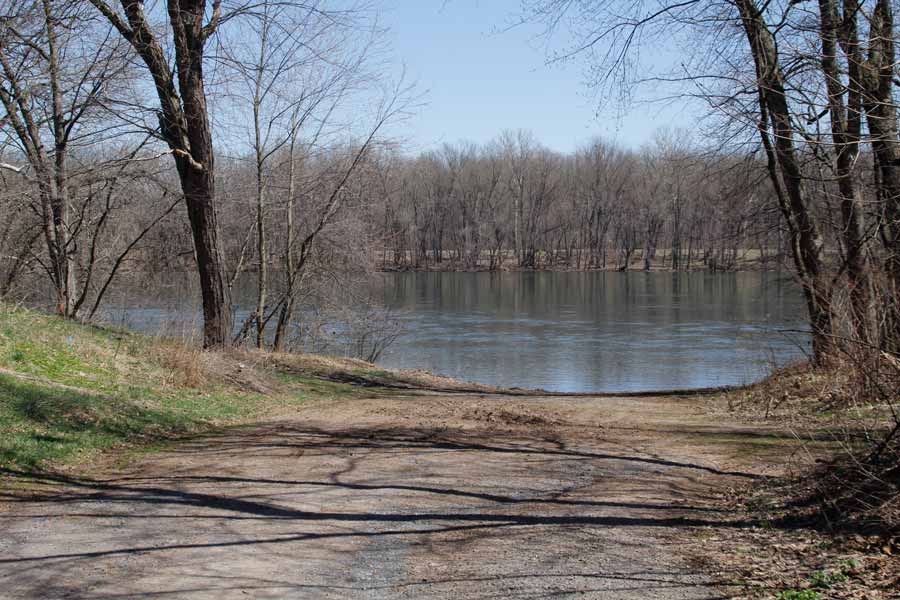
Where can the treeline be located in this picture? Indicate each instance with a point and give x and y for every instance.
(513, 203)
(510, 204)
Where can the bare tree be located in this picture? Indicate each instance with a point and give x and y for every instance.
(293, 65)
(51, 83)
(185, 126)
(59, 69)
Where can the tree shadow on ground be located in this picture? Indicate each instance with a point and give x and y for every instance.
(220, 497)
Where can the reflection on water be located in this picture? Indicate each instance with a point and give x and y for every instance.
(571, 332)
(596, 331)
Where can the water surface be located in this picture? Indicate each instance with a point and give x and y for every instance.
(600, 331)
(569, 332)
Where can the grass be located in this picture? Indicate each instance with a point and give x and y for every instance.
(69, 392)
(817, 581)
(349, 370)
(793, 594)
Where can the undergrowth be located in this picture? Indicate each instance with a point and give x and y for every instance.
(853, 405)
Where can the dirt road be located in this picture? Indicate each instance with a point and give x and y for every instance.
(418, 496)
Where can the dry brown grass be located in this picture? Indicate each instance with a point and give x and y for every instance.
(795, 392)
(190, 366)
(183, 359)
(314, 363)
(245, 369)
(852, 403)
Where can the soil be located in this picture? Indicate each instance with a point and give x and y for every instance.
(414, 495)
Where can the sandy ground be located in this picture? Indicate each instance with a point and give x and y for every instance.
(415, 496)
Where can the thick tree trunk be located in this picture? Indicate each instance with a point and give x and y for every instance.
(806, 239)
(184, 123)
(199, 196)
(877, 76)
(845, 133)
(196, 167)
(198, 186)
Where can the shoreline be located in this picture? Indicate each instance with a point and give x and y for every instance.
(456, 268)
(469, 387)
(63, 370)
(219, 469)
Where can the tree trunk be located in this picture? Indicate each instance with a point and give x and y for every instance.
(184, 123)
(198, 189)
(807, 241)
(881, 115)
(262, 251)
(287, 307)
(59, 201)
(845, 133)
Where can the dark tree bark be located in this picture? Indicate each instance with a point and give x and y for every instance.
(184, 126)
(881, 115)
(805, 237)
(877, 77)
(846, 119)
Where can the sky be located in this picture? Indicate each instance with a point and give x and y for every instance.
(480, 78)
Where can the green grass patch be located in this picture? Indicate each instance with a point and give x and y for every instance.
(824, 580)
(314, 387)
(69, 391)
(798, 595)
(41, 424)
(820, 580)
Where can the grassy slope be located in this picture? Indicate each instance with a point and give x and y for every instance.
(68, 391)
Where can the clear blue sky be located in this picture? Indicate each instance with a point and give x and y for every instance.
(481, 80)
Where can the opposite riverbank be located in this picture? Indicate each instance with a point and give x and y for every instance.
(739, 261)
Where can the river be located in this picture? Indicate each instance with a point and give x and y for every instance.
(578, 332)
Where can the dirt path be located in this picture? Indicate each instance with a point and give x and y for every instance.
(405, 497)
